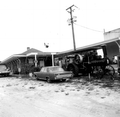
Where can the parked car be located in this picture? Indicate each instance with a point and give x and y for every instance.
(4, 71)
(53, 73)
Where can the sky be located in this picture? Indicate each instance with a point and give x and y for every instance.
(31, 23)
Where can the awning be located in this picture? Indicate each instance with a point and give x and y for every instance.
(11, 58)
(88, 47)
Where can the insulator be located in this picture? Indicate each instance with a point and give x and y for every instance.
(75, 20)
(74, 17)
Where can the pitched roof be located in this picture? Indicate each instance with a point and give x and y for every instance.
(29, 52)
(32, 50)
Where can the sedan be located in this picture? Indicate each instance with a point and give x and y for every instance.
(53, 73)
(4, 71)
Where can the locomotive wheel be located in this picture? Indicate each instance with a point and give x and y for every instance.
(109, 70)
(98, 72)
(74, 69)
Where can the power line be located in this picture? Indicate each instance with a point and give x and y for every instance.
(89, 28)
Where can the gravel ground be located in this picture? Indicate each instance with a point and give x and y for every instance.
(27, 97)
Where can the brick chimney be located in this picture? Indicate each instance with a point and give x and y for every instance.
(28, 48)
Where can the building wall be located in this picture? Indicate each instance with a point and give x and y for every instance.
(112, 34)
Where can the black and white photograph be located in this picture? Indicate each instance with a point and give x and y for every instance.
(59, 58)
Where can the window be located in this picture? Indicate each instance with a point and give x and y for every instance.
(43, 70)
(100, 53)
(30, 61)
(115, 59)
(55, 69)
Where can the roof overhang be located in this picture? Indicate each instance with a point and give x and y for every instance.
(89, 47)
(32, 54)
(97, 45)
(11, 58)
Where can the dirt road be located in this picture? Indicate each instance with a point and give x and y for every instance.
(77, 98)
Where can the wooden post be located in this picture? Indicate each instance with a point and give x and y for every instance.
(53, 58)
(35, 59)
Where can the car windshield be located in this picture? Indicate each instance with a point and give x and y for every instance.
(2, 67)
(55, 69)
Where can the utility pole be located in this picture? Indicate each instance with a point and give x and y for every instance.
(71, 22)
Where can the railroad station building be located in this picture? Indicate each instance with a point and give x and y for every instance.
(113, 48)
(31, 59)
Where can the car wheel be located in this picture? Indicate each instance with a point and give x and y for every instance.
(5, 75)
(48, 80)
(63, 80)
(36, 77)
